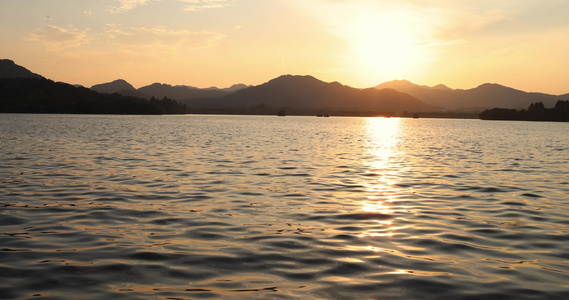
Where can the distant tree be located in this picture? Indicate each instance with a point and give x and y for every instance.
(499, 114)
(561, 110)
(536, 107)
(169, 106)
(535, 112)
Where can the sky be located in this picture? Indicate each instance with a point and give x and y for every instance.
(523, 44)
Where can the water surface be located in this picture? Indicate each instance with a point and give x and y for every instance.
(186, 207)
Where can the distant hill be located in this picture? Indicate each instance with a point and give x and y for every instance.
(180, 92)
(40, 95)
(295, 94)
(116, 86)
(308, 95)
(9, 69)
(119, 86)
(234, 88)
(22, 91)
(477, 99)
(160, 90)
(409, 86)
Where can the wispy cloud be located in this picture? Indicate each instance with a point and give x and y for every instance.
(162, 37)
(122, 6)
(57, 38)
(200, 5)
(126, 5)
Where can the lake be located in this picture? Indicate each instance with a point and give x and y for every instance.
(202, 207)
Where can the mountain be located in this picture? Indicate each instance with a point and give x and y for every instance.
(234, 88)
(407, 85)
(482, 97)
(184, 92)
(119, 86)
(160, 90)
(180, 92)
(491, 95)
(116, 86)
(9, 69)
(295, 94)
(22, 91)
(40, 95)
(308, 95)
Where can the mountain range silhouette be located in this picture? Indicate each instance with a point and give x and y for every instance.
(485, 96)
(160, 90)
(307, 95)
(9, 69)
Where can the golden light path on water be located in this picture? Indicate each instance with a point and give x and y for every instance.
(242, 207)
(385, 161)
(383, 138)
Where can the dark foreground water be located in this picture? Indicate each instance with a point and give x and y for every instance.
(187, 207)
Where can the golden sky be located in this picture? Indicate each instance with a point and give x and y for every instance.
(523, 44)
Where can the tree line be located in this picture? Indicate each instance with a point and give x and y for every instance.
(535, 112)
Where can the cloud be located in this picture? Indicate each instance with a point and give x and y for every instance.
(190, 5)
(126, 5)
(162, 37)
(57, 38)
(200, 5)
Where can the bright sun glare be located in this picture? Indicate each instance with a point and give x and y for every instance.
(383, 139)
(383, 44)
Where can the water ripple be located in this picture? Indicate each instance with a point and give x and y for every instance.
(181, 207)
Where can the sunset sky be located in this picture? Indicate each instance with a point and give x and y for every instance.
(523, 44)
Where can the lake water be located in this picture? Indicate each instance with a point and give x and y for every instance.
(187, 207)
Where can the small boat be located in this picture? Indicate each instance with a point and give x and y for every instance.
(281, 113)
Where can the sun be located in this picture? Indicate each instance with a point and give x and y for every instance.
(382, 44)
(376, 40)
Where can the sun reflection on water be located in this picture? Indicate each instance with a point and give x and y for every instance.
(382, 146)
(383, 136)
(382, 142)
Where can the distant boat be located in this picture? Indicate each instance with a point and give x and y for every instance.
(281, 113)
(415, 116)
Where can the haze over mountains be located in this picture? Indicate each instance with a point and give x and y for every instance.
(22, 91)
(437, 98)
(160, 90)
(308, 95)
(483, 97)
